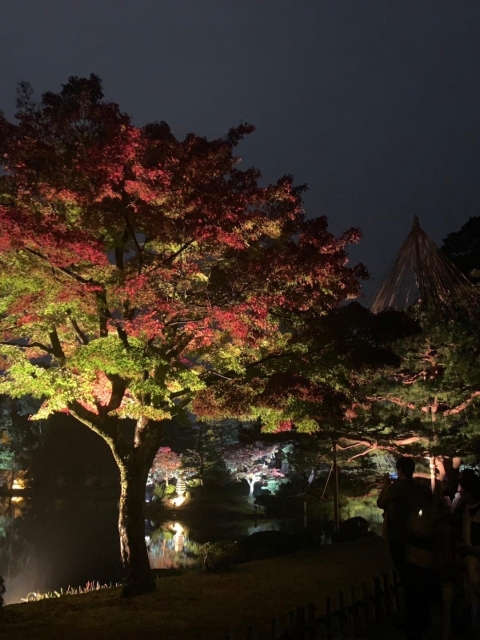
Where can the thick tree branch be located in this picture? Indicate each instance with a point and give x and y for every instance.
(30, 345)
(407, 379)
(393, 400)
(119, 387)
(462, 406)
(56, 346)
(172, 256)
(79, 333)
(373, 445)
(434, 408)
(90, 419)
(140, 431)
(67, 272)
(364, 453)
(273, 356)
(134, 238)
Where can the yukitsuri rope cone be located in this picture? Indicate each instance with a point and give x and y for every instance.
(422, 274)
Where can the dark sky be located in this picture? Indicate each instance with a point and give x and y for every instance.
(373, 103)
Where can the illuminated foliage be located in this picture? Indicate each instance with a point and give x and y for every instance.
(138, 270)
(253, 463)
(18, 438)
(430, 403)
(165, 465)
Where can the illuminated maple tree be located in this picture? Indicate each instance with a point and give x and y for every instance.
(165, 465)
(253, 463)
(137, 270)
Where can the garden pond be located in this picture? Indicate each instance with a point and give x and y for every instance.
(49, 543)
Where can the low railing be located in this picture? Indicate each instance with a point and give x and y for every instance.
(345, 617)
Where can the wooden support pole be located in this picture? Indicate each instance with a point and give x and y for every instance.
(432, 473)
(336, 513)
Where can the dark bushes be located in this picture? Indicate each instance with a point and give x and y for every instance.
(267, 544)
(219, 556)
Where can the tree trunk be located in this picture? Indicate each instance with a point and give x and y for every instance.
(131, 527)
(251, 484)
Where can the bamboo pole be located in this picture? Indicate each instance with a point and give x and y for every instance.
(336, 513)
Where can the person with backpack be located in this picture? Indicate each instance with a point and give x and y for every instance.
(413, 529)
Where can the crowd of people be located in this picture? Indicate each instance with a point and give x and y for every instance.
(434, 542)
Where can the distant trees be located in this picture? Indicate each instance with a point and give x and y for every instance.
(253, 463)
(203, 459)
(463, 248)
(18, 437)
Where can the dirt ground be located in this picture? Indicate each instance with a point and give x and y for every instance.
(201, 606)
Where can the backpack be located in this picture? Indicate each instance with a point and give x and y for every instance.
(422, 520)
(424, 530)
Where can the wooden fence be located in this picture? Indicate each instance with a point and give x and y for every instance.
(345, 617)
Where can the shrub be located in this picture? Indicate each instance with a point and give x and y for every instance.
(164, 491)
(219, 556)
(267, 544)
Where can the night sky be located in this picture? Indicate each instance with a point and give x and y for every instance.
(373, 103)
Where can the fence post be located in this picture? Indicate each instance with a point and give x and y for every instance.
(341, 613)
(249, 633)
(389, 607)
(273, 629)
(291, 623)
(397, 588)
(368, 614)
(378, 599)
(328, 617)
(300, 623)
(359, 611)
(310, 629)
(393, 593)
(346, 616)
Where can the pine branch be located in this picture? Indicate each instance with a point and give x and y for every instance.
(462, 406)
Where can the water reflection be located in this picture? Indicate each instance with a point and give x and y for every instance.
(48, 543)
(170, 547)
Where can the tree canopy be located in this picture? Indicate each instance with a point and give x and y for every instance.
(137, 270)
(463, 248)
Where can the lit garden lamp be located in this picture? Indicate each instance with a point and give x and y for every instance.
(181, 490)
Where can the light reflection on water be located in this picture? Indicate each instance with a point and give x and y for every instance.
(47, 544)
(170, 547)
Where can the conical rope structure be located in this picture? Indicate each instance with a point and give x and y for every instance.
(422, 274)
